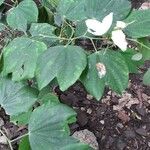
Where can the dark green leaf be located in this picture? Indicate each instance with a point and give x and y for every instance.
(16, 97)
(139, 21)
(144, 48)
(83, 9)
(116, 76)
(65, 63)
(43, 32)
(19, 16)
(20, 57)
(48, 128)
(132, 65)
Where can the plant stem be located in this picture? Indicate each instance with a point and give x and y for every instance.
(9, 142)
(93, 45)
(139, 43)
(18, 138)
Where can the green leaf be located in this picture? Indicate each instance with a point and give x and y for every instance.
(132, 65)
(20, 57)
(91, 80)
(50, 3)
(19, 16)
(146, 79)
(16, 97)
(1, 2)
(43, 32)
(139, 21)
(82, 9)
(144, 48)
(65, 63)
(116, 76)
(51, 98)
(48, 128)
(24, 144)
(21, 119)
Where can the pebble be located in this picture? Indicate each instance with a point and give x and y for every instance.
(3, 140)
(141, 131)
(102, 122)
(87, 137)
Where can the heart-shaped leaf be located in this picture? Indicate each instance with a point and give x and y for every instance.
(15, 97)
(98, 9)
(64, 63)
(19, 16)
(48, 128)
(105, 67)
(20, 57)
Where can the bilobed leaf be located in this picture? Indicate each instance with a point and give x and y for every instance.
(146, 79)
(139, 21)
(19, 16)
(20, 57)
(64, 63)
(116, 76)
(48, 128)
(16, 97)
(43, 32)
(98, 9)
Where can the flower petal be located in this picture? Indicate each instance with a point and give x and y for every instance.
(98, 28)
(121, 25)
(107, 22)
(119, 39)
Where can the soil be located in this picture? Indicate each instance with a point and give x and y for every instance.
(125, 128)
(118, 122)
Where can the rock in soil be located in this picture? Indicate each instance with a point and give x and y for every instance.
(87, 137)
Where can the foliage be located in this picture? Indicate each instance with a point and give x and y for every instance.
(45, 50)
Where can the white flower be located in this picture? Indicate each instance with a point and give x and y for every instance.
(98, 28)
(120, 25)
(119, 39)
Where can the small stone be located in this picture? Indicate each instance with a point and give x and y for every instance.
(89, 97)
(120, 125)
(149, 144)
(141, 131)
(129, 133)
(89, 110)
(87, 137)
(3, 140)
(121, 145)
(102, 122)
